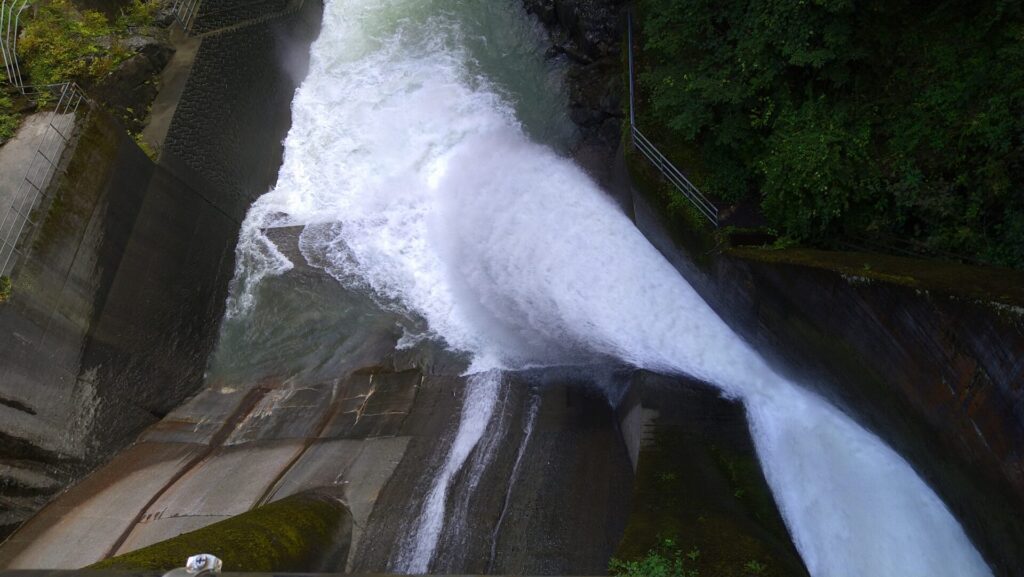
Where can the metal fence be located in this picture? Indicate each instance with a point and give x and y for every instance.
(651, 152)
(40, 172)
(10, 15)
(185, 12)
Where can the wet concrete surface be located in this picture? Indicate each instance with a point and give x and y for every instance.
(376, 433)
(16, 154)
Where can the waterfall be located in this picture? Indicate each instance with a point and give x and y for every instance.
(422, 164)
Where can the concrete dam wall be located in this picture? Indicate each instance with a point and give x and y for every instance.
(118, 298)
(133, 409)
(937, 371)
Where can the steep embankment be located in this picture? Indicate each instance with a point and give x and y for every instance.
(121, 287)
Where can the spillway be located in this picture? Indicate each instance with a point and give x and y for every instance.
(426, 164)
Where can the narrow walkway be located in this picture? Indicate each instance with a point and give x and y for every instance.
(172, 86)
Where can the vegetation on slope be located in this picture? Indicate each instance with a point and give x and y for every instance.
(58, 42)
(61, 43)
(848, 120)
(9, 118)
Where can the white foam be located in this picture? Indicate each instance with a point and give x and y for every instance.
(415, 179)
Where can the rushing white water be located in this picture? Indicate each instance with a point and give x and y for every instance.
(477, 408)
(410, 167)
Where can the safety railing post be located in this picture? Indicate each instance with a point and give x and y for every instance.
(10, 18)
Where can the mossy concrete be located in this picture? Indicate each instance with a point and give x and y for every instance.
(975, 283)
(299, 534)
(699, 484)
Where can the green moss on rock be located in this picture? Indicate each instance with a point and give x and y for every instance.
(295, 534)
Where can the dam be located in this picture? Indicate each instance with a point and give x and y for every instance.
(437, 317)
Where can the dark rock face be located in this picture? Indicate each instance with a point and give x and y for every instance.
(551, 503)
(128, 91)
(589, 28)
(939, 378)
(588, 33)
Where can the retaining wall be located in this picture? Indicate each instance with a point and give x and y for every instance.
(117, 304)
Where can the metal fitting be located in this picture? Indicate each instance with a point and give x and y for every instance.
(196, 565)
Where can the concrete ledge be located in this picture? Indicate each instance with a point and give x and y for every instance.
(301, 533)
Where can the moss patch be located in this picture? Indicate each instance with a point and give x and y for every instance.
(5, 289)
(79, 185)
(988, 284)
(289, 535)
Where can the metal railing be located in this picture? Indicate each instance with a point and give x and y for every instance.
(651, 152)
(10, 15)
(185, 13)
(41, 169)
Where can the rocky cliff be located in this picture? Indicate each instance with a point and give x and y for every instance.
(588, 34)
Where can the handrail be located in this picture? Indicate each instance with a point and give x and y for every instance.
(39, 173)
(675, 176)
(9, 22)
(659, 160)
(185, 13)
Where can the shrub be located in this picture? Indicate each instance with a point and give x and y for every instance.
(139, 13)
(847, 119)
(60, 43)
(665, 560)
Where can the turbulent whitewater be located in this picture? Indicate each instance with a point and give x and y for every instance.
(422, 163)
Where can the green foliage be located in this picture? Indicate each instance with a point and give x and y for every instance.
(665, 560)
(5, 289)
(817, 169)
(139, 13)
(754, 566)
(61, 43)
(9, 118)
(848, 118)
